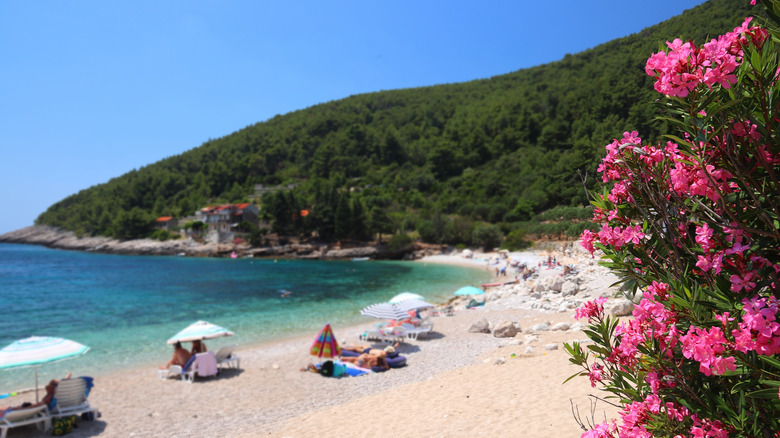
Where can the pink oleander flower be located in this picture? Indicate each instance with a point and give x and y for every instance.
(596, 374)
(704, 237)
(659, 291)
(704, 428)
(591, 309)
(742, 282)
(602, 430)
(711, 262)
(633, 234)
(706, 347)
(680, 69)
(586, 240)
(759, 330)
(634, 416)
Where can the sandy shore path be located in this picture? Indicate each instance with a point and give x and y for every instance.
(456, 383)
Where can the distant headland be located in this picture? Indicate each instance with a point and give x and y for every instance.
(53, 237)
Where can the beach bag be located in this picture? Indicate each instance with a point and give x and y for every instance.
(63, 425)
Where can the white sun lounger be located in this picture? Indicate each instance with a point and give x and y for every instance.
(38, 415)
(70, 398)
(226, 358)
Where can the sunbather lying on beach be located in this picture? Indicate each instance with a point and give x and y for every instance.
(367, 361)
(367, 349)
(337, 368)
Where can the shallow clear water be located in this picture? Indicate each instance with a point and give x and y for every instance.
(126, 307)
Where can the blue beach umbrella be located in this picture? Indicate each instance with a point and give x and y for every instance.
(469, 290)
(199, 331)
(38, 350)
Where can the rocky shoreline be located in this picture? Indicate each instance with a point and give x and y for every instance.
(52, 237)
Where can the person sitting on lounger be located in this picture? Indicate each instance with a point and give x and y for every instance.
(44, 401)
(197, 347)
(180, 357)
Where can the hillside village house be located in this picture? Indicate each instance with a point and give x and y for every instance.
(166, 223)
(225, 218)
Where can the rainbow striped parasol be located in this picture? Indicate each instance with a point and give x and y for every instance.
(325, 345)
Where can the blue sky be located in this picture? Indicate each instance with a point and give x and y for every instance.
(90, 90)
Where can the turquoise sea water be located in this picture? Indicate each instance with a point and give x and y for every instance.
(126, 307)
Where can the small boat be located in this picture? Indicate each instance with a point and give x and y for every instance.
(361, 259)
(491, 284)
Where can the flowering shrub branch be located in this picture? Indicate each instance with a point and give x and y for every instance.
(692, 227)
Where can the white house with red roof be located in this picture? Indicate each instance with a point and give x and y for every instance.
(226, 217)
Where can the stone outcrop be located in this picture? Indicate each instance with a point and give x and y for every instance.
(505, 329)
(480, 326)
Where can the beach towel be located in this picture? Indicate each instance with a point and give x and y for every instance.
(206, 364)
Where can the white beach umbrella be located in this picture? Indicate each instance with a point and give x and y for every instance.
(38, 350)
(199, 331)
(403, 296)
(414, 305)
(384, 311)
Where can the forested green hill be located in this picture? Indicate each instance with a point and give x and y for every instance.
(437, 159)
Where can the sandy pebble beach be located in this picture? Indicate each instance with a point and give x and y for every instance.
(456, 383)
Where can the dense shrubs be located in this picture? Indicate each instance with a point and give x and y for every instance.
(693, 223)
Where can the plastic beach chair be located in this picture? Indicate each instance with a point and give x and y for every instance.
(70, 398)
(38, 415)
(226, 358)
(172, 371)
(202, 364)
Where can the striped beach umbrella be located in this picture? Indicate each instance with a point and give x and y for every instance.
(408, 305)
(325, 345)
(384, 311)
(403, 296)
(199, 331)
(38, 350)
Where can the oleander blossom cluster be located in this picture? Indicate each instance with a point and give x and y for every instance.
(688, 206)
(685, 66)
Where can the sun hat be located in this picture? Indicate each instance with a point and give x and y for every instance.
(389, 349)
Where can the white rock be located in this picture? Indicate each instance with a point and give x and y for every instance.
(621, 307)
(569, 288)
(541, 327)
(561, 326)
(551, 347)
(529, 350)
(499, 361)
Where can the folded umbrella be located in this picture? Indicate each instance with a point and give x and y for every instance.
(325, 345)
